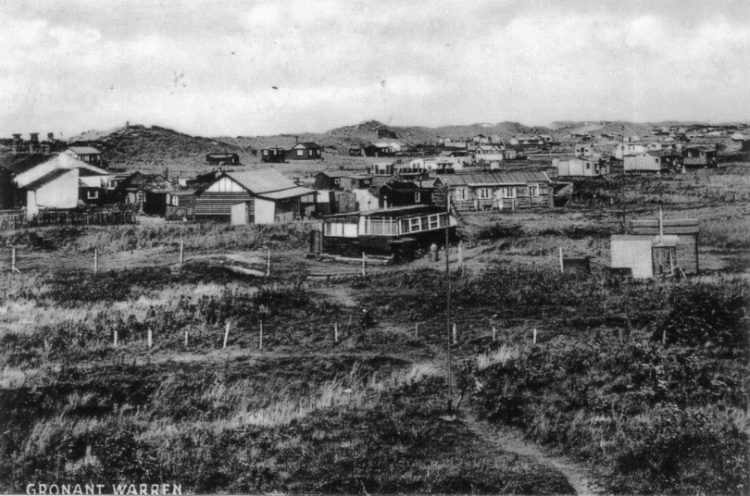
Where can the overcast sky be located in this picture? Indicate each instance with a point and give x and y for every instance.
(249, 68)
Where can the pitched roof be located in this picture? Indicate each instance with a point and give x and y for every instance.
(84, 150)
(492, 178)
(261, 181)
(47, 178)
(289, 193)
(306, 144)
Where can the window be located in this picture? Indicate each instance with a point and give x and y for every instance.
(483, 193)
(414, 224)
(92, 194)
(460, 194)
(588, 166)
(508, 192)
(534, 190)
(300, 153)
(417, 197)
(656, 160)
(434, 221)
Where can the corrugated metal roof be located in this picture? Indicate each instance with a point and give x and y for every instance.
(262, 181)
(670, 226)
(492, 178)
(288, 193)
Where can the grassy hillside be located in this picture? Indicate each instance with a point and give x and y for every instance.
(139, 147)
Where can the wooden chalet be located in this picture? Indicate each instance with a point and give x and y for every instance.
(653, 161)
(222, 159)
(400, 232)
(699, 156)
(379, 150)
(494, 190)
(583, 166)
(305, 151)
(87, 154)
(656, 247)
(180, 205)
(266, 197)
(272, 155)
(342, 180)
(403, 193)
(147, 192)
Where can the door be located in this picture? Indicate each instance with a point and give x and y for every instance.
(663, 259)
(498, 198)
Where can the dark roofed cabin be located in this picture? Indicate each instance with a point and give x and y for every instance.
(400, 232)
(305, 151)
(272, 155)
(403, 193)
(222, 159)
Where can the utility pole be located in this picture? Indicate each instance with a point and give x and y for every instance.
(448, 294)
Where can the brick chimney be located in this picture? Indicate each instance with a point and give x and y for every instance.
(17, 143)
(51, 136)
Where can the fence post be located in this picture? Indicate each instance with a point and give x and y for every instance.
(96, 261)
(150, 338)
(268, 263)
(562, 267)
(494, 334)
(114, 339)
(226, 334)
(364, 270)
(455, 334)
(260, 337)
(335, 332)
(182, 252)
(534, 337)
(461, 257)
(186, 338)
(13, 267)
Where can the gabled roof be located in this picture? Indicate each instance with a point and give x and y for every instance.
(47, 178)
(261, 180)
(306, 144)
(289, 193)
(402, 186)
(492, 178)
(84, 150)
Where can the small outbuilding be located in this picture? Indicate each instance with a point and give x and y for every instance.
(657, 247)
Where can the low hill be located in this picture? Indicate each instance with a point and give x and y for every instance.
(137, 147)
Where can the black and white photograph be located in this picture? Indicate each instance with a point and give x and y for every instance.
(285, 247)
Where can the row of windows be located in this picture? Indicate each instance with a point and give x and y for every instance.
(489, 193)
(423, 223)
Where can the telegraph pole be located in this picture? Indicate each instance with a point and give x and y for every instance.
(448, 295)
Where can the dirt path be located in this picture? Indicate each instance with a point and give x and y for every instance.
(579, 477)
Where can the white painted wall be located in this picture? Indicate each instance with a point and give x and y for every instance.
(265, 211)
(225, 185)
(239, 214)
(633, 252)
(60, 193)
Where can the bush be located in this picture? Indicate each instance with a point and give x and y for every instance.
(709, 316)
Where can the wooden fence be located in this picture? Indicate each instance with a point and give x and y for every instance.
(14, 219)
